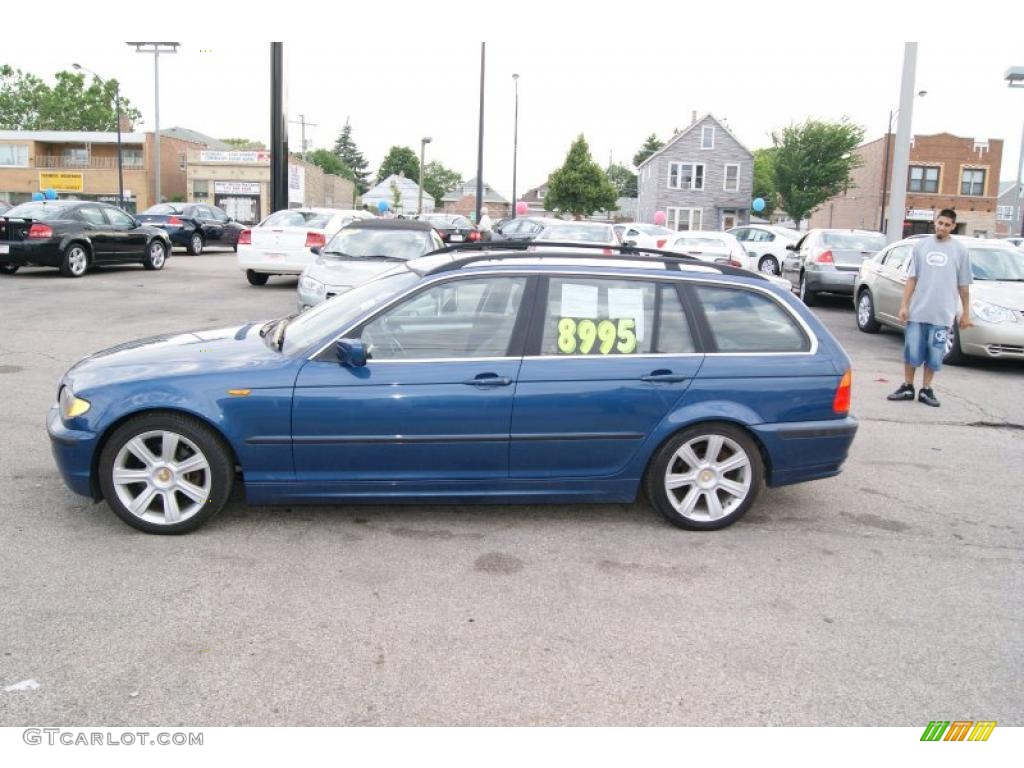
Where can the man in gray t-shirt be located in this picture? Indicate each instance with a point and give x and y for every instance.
(938, 280)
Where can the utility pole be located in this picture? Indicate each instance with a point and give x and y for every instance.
(901, 152)
(156, 49)
(302, 121)
(278, 130)
(480, 139)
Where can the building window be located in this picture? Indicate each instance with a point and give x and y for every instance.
(181, 161)
(685, 219)
(540, 194)
(686, 175)
(732, 178)
(200, 189)
(1004, 212)
(131, 158)
(973, 182)
(923, 179)
(75, 157)
(14, 155)
(707, 137)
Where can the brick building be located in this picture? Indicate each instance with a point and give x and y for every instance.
(945, 171)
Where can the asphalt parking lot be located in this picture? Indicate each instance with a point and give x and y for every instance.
(890, 595)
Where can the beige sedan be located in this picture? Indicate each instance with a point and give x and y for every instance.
(997, 298)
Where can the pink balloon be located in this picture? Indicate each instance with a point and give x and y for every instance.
(660, 218)
(521, 208)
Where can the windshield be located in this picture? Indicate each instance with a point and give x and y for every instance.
(37, 211)
(997, 264)
(333, 315)
(578, 234)
(359, 242)
(854, 241)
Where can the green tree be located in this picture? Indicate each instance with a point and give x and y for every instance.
(346, 151)
(438, 181)
(396, 198)
(330, 163)
(244, 144)
(764, 179)
(813, 162)
(29, 104)
(650, 146)
(400, 160)
(623, 179)
(579, 187)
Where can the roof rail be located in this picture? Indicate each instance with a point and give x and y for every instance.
(485, 251)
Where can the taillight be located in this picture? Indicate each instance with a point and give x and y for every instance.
(662, 241)
(734, 263)
(608, 251)
(39, 232)
(314, 239)
(841, 402)
(245, 237)
(473, 236)
(174, 221)
(825, 257)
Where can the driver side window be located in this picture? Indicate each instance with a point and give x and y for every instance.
(457, 319)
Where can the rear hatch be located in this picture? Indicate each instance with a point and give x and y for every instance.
(13, 231)
(849, 260)
(281, 239)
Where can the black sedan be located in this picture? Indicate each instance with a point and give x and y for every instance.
(194, 225)
(74, 235)
(451, 227)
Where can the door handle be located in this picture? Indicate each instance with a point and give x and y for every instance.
(488, 380)
(663, 377)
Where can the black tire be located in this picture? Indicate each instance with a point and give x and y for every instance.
(747, 477)
(769, 265)
(156, 255)
(954, 354)
(256, 278)
(9, 269)
(195, 244)
(865, 312)
(807, 296)
(74, 262)
(215, 480)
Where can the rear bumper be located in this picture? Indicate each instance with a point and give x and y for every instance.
(73, 451)
(831, 281)
(28, 254)
(274, 262)
(806, 450)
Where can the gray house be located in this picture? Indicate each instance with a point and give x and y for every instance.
(702, 179)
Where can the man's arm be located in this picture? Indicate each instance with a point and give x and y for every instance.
(908, 291)
(965, 297)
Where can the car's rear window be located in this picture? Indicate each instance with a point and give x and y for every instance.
(854, 241)
(745, 321)
(363, 242)
(309, 219)
(703, 242)
(39, 212)
(581, 234)
(163, 208)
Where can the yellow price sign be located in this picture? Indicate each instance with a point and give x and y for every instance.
(581, 336)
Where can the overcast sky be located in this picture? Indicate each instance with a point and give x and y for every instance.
(401, 72)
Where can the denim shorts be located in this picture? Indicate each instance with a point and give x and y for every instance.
(925, 344)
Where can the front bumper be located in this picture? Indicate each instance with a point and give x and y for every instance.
(308, 299)
(806, 450)
(73, 451)
(994, 340)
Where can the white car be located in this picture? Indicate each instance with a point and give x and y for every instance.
(765, 246)
(579, 232)
(282, 243)
(642, 235)
(708, 245)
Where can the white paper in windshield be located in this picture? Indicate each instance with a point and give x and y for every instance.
(579, 300)
(627, 302)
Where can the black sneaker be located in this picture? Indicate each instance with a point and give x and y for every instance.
(928, 397)
(905, 392)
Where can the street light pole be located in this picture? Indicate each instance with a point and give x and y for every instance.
(156, 49)
(1015, 79)
(885, 173)
(117, 110)
(480, 139)
(515, 147)
(419, 198)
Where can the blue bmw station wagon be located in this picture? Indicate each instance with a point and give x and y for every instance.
(481, 376)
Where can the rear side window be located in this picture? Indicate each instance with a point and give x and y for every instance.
(744, 321)
(599, 317)
(92, 215)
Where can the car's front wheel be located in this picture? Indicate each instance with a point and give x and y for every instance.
(768, 266)
(705, 477)
(195, 244)
(166, 473)
(954, 353)
(866, 313)
(256, 278)
(156, 255)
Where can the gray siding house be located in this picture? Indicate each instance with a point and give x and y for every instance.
(702, 179)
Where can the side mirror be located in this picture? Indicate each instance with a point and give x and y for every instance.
(351, 352)
(317, 250)
(791, 247)
(629, 242)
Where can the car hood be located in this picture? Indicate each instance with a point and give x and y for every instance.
(192, 353)
(1005, 294)
(347, 273)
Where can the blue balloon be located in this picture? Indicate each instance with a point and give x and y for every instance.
(758, 204)
(51, 194)
(37, 196)
(383, 206)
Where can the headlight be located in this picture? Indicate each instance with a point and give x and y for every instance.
(311, 285)
(992, 313)
(71, 406)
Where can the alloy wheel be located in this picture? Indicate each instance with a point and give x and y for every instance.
(708, 478)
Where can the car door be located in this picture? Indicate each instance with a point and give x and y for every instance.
(607, 358)
(791, 263)
(890, 283)
(434, 401)
(212, 227)
(129, 239)
(99, 232)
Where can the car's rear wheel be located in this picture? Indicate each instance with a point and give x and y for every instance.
(807, 296)
(705, 477)
(156, 255)
(195, 244)
(9, 269)
(866, 313)
(74, 261)
(166, 473)
(256, 278)
(768, 266)
(954, 354)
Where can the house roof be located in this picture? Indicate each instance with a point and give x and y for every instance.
(1006, 186)
(74, 137)
(187, 134)
(405, 185)
(685, 131)
(468, 188)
